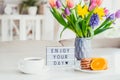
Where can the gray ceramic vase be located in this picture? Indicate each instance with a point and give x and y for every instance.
(82, 48)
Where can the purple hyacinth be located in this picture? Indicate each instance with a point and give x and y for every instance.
(111, 16)
(94, 20)
(117, 14)
(58, 4)
(67, 11)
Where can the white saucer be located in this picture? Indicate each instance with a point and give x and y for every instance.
(89, 71)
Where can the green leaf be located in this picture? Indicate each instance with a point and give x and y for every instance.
(71, 23)
(91, 32)
(63, 4)
(62, 31)
(108, 25)
(83, 27)
(104, 27)
(74, 15)
(89, 16)
(78, 29)
(106, 22)
(58, 17)
(101, 30)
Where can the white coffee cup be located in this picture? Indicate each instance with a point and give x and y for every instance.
(31, 65)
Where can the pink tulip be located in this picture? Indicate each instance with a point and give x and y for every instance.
(92, 6)
(94, 3)
(106, 11)
(99, 2)
(52, 3)
(70, 3)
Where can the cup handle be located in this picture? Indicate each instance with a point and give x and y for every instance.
(21, 65)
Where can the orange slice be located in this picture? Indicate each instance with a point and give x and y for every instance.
(98, 64)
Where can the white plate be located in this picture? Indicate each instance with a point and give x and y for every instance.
(89, 71)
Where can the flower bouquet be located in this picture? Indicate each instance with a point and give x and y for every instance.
(85, 20)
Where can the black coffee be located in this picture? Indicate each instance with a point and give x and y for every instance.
(34, 59)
